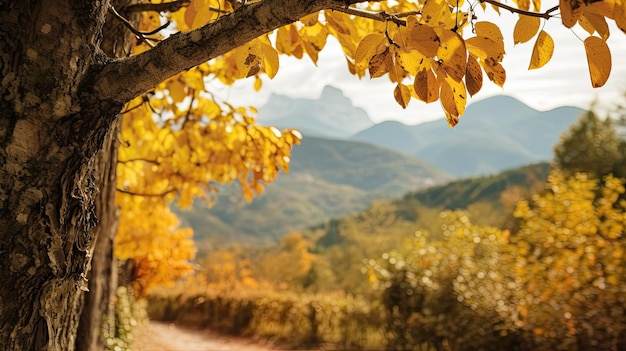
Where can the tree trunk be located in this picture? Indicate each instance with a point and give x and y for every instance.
(51, 133)
(59, 98)
(103, 276)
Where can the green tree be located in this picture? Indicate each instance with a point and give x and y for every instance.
(594, 146)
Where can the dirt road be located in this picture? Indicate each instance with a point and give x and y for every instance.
(168, 337)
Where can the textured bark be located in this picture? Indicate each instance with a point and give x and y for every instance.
(98, 308)
(59, 99)
(50, 134)
(132, 76)
(102, 276)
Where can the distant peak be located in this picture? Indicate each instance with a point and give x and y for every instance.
(330, 91)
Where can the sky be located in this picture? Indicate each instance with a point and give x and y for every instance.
(564, 81)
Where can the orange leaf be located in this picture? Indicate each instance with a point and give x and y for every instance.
(494, 70)
(571, 10)
(402, 94)
(453, 99)
(380, 64)
(597, 22)
(367, 48)
(426, 86)
(599, 60)
(473, 76)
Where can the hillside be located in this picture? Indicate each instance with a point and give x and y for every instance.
(328, 178)
(419, 209)
(495, 134)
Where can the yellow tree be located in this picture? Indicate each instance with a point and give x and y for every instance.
(68, 70)
(570, 265)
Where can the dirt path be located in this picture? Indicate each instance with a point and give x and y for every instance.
(168, 337)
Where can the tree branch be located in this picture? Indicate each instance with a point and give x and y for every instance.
(121, 80)
(171, 6)
(378, 16)
(546, 15)
(144, 194)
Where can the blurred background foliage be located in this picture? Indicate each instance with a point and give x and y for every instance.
(528, 259)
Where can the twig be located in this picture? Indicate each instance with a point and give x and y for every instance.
(215, 9)
(546, 15)
(141, 35)
(143, 194)
(139, 160)
(172, 6)
(378, 16)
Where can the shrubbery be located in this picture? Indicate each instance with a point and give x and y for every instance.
(285, 318)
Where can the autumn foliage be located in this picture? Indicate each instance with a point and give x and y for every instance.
(178, 141)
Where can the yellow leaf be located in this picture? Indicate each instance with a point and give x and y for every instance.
(270, 59)
(412, 61)
(484, 47)
(494, 70)
(368, 47)
(247, 60)
(619, 15)
(602, 8)
(288, 41)
(310, 20)
(537, 5)
(426, 86)
(421, 37)
(436, 13)
(543, 50)
(257, 83)
(453, 99)
(598, 23)
(402, 94)
(571, 10)
(473, 76)
(489, 30)
(523, 4)
(525, 28)
(452, 53)
(586, 25)
(380, 64)
(599, 60)
(314, 39)
(177, 90)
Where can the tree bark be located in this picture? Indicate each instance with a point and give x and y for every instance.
(50, 136)
(59, 99)
(98, 308)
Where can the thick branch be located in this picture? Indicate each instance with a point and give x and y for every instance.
(122, 80)
(545, 15)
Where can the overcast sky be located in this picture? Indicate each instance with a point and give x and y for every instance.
(563, 81)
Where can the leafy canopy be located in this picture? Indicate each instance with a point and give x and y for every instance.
(179, 140)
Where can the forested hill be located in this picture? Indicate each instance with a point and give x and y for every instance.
(462, 193)
(490, 200)
(327, 178)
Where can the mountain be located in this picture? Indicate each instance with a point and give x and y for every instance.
(494, 134)
(327, 178)
(332, 115)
